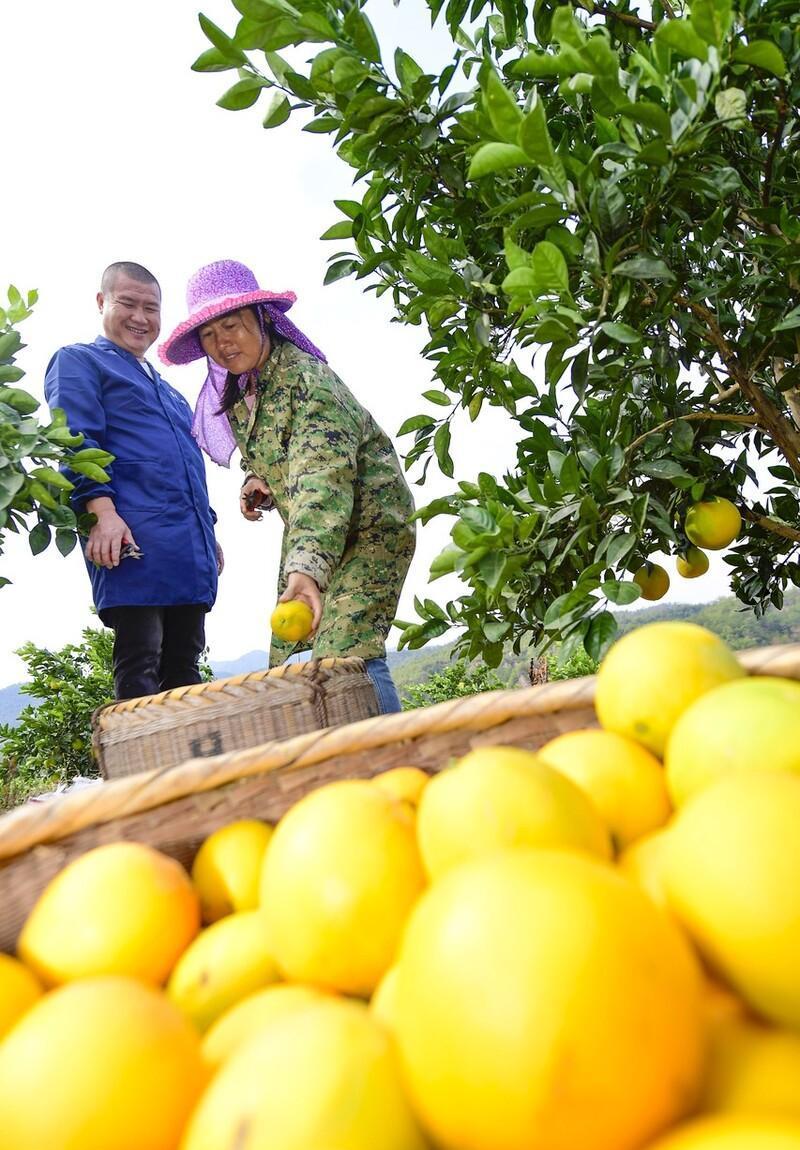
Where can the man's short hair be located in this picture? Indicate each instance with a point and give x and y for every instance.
(125, 267)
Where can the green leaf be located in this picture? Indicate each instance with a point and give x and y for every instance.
(644, 268)
(621, 332)
(535, 138)
(662, 469)
(339, 270)
(360, 30)
(415, 423)
(243, 94)
(496, 158)
(21, 401)
(504, 112)
(441, 447)
(213, 61)
(90, 470)
(408, 70)
(602, 630)
(65, 540)
(342, 230)
(39, 538)
(439, 397)
(278, 111)
(347, 74)
(222, 42)
(650, 115)
(681, 37)
(790, 320)
(52, 477)
(550, 267)
(731, 107)
(761, 54)
(711, 19)
(619, 549)
(620, 592)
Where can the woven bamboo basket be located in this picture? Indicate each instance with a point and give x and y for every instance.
(174, 809)
(158, 731)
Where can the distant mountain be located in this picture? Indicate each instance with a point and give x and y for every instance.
(11, 703)
(252, 661)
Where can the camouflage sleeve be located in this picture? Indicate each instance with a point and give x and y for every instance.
(322, 469)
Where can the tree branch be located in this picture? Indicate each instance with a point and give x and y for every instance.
(773, 525)
(783, 110)
(624, 17)
(692, 417)
(770, 418)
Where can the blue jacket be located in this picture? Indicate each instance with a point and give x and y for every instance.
(158, 480)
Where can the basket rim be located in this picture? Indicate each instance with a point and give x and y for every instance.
(35, 824)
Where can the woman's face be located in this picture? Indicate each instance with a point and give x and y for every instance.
(234, 341)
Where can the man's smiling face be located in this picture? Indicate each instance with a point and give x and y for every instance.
(131, 313)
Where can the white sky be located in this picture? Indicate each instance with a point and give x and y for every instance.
(114, 149)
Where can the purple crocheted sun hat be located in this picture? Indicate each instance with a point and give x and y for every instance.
(211, 292)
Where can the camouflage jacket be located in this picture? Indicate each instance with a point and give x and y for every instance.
(339, 489)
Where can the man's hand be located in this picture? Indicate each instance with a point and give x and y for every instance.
(304, 588)
(255, 497)
(220, 558)
(109, 534)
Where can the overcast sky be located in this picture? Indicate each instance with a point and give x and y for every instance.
(114, 149)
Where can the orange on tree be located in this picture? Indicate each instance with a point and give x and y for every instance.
(526, 982)
(651, 675)
(712, 523)
(291, 621)
(692, 563)
(99, 1063)
(122, 908)
(751, 724)
(652, 580)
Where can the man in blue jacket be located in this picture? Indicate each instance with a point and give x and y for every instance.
(156, 503)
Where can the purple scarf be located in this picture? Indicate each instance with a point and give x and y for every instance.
(210, 427)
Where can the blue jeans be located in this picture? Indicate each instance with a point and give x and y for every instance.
(388, 699)
(378, 671)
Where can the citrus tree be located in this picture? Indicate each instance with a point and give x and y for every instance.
(594, 212)
(34, 495)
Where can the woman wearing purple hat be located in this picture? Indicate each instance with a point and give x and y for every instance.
(311, 451)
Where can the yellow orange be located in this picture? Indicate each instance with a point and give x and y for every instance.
(122, 908)
(651, 675)
(291, 621)
(735, 1132)
(692, 563)
(252, 1015)
(731, 870)
(652, 580)
(227, 868)
(526, 983)
(19, 989)
(406, 783)
(712, 523)
(752, 1068)
(498, 797)
(319, 1077)
(225, 963)
(339, 879)
(750, 724)
(99, 1063)
(623, 779)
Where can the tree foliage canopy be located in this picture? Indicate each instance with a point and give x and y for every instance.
(39, 490)
(594, 210)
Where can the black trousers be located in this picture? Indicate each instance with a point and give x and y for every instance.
(155, 648)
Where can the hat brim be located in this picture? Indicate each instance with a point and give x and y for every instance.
(183, 345)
